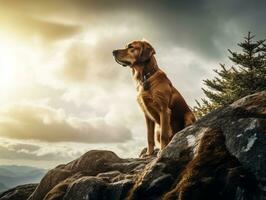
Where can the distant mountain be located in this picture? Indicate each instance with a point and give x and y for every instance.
(12, 175)
(2, 187)
(6, 172)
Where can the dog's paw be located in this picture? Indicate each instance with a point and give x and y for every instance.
(145, 155)
(144, 150)
(159, 153)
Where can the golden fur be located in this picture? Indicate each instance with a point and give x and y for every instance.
(161, 103)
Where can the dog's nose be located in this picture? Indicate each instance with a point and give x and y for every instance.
(114, 52)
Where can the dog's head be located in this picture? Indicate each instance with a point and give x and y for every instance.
(135, 52)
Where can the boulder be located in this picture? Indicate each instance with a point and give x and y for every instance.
(21, 192)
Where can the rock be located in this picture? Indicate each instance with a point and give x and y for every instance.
(18, 193)
(222, 156)
(95, 170)
(213, 172)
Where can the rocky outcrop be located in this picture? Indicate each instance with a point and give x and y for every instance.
(18, 193)
(221, 156)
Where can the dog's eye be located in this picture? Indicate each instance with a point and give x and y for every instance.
(132, 50)
(130, 46)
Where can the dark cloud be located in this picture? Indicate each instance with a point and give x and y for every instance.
(202, 26)
(206, 27)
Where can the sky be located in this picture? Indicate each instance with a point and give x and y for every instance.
(62, 93)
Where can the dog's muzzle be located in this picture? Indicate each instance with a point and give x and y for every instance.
(115, 52)
(123, 63)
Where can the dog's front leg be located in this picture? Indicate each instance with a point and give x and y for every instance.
(165, 126)
(150, 135)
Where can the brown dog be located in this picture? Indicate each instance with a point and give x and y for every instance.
(161, 103)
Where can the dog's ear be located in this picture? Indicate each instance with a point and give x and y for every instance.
(147, 52)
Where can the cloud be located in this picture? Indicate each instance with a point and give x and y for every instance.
(11, 149)
(22, 25)
(87, 58)
(76, 63)
(35, 122)
(187, 73)
(117, 105)
(46, 155)
(205, 26)
(20, 147)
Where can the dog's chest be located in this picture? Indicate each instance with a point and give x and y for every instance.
(148, 104)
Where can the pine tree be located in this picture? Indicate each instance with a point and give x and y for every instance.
(247, 76)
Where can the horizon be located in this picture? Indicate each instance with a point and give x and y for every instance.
(63, 94)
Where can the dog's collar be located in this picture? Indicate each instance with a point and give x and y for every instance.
(144, 78)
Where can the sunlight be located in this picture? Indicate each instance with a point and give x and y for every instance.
(15, 59)
(90, 38)
(7, 64)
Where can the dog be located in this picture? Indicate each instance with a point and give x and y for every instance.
(160, 101)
